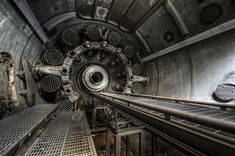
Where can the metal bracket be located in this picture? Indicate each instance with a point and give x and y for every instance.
(28, 91)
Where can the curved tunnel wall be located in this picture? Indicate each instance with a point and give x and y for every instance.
(192, 72)
(18, 40)
(16, 36)
(195, 71)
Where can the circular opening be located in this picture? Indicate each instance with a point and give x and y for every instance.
(68, 91)
(72, 53)
(64, 70)
(211, 13)
(94, 78)
(169, 36)
(56, 7)
(97, 77)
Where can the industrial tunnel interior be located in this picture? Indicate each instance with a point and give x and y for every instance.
(117, 77)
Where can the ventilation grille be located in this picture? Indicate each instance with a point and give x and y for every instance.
(50, 83)
(70, 38)
(65, 106)
(53, 57)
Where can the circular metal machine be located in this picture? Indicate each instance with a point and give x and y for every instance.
(95, 78)
(90, 59)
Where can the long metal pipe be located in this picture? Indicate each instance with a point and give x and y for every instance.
(207, 121)
(183, 101)
(191, 138)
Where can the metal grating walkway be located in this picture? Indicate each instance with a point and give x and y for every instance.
(14, 130)
(65, 106)
(67, 135)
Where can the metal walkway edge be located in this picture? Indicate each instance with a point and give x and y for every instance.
(193, 125)
(67, 135)
(16, 129)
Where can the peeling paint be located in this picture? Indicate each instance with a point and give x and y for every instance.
(13, 97)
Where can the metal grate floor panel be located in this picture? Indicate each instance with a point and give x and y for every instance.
(65, 106)
(67, 135)
(14, 130)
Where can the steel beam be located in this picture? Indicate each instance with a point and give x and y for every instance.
(156, 6)
(195, 39)
(223, 125)
(58, 19)
(176, 17)
(108, 142)
(142, 144)
(184, 101)
(29, 15)
(118, 145)
(128, 145)
(154, 145)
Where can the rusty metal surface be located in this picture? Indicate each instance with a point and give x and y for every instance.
(8, 93)
(68, 134)
(188, 101)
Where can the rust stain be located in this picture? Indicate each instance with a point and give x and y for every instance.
(11, 80)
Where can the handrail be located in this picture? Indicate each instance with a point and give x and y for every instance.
(207, 121)
(178, 100)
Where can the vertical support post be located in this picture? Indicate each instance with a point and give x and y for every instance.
(142, 143)
(154, 145)
(118, 145)
(128, 145)
(107, 148)
(94, 118)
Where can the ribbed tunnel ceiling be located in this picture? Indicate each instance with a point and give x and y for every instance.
(150, 26)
